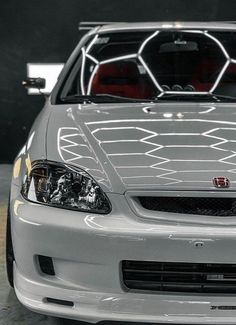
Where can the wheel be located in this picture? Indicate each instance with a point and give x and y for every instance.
(9, 250)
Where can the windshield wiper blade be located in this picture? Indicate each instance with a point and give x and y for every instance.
(219, 96)
(214, 96)
(109, 98)
(99, 98)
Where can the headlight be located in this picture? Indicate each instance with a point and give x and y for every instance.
(65, 187)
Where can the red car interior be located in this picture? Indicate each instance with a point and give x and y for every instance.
(122, 79)
(208, 72)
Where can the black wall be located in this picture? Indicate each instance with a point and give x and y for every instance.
(46, 31)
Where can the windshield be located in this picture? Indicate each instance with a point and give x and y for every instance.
(151, 65)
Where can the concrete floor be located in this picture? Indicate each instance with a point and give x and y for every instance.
(11, 311)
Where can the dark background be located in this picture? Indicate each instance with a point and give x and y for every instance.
(46, 31)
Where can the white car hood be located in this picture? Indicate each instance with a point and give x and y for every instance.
(169, 146)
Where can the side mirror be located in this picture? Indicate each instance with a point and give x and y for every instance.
(38, 83)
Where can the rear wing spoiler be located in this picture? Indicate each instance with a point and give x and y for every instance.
(88, 25)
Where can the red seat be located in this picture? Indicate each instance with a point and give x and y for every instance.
(208, 72)
(121, 79)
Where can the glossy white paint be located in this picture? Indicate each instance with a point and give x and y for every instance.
(87, 250)
(122, 146)
(170, 146)
(175, 148)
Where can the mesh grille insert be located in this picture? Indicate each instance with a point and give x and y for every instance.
(220, 207)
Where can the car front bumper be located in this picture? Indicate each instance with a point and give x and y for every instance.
(87, 251)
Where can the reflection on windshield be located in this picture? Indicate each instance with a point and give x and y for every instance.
(147, 65)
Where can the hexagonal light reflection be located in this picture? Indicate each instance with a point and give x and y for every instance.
(140, 55)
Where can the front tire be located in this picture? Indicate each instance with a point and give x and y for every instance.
(9, 250)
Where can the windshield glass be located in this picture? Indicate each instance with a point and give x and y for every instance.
(150, 65)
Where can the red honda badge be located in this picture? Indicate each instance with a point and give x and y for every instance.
(221, 182)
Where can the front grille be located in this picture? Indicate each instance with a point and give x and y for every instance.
(219, 207)
(180, 277)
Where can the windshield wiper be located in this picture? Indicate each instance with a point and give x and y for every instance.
(100, 98)
(220, 97)
(199, 97)
(109, 98)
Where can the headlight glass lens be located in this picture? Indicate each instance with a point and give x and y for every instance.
(65, 187)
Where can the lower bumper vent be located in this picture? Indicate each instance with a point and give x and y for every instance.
(46, 265)
(180, 277)
(60, 302)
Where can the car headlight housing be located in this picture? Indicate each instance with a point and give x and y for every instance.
(64, 186)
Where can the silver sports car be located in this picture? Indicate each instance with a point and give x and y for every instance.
(123, 199)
